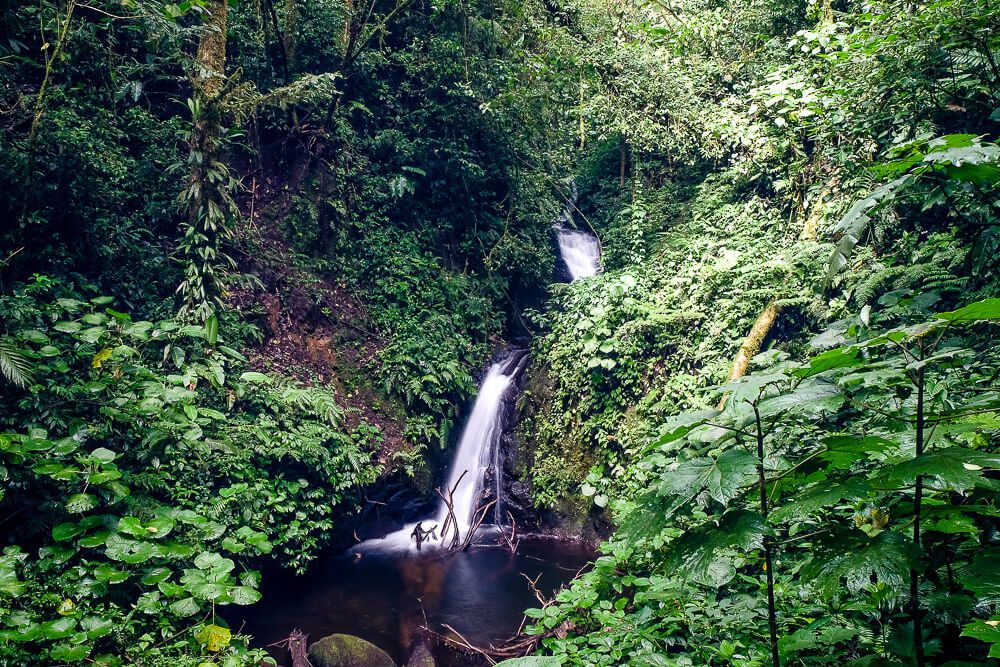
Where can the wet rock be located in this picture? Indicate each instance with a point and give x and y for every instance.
(421, 657)
(348, 651)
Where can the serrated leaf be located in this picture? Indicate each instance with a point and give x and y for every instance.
(706, 553)
(724, 477)
(857, 561)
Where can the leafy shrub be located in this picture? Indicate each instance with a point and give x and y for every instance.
(149, 480)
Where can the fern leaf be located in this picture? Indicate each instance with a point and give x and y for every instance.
(14, 366)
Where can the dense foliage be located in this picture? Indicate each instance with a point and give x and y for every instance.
(780, 393)
(176, 157)
(811, 191)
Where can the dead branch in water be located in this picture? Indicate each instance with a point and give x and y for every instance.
(512, 541)
(450, 521)
(296, 644)
(480, 516)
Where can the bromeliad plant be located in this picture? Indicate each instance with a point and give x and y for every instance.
(840, 511)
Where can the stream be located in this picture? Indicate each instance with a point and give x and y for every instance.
(383, 597)
(385, 589)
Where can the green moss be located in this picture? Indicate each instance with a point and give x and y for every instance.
(348, 651)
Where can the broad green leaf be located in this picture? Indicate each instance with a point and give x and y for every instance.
(60, 628)
(66, 531)
(67, 326)
(980, 577)
(812, 398)
(706, 553)
(838, 358)
(855, 560)
(185, 607)
(212, 330)
(986, 631)
(96, 627)
(70, 652)
(110, 575)
(955, 469)
(844, 451)
(988, 309)
(244, 595)
(818, 497)
(724, 477)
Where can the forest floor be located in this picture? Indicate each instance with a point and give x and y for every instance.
(314, 328)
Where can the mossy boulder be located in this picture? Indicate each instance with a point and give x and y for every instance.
(347, 651)
(421, 657)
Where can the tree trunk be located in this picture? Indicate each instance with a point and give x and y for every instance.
(207, 199)
(208, 82)
(211, 56)
(291, 32)
(918, 492)
(751, 344)
(772, 613)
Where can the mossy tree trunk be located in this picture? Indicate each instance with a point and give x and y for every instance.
(208, 195)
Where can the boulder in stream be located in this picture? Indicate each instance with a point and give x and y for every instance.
(348, 651)
(421, 656)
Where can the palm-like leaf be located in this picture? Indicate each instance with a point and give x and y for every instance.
(14, 366)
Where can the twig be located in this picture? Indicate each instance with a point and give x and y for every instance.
(465, 643)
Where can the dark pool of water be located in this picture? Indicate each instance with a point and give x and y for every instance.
(385, 599)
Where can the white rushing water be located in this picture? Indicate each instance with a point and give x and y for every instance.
(580, 251)
(478, 449)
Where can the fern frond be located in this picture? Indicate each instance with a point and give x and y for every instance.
(14, 366)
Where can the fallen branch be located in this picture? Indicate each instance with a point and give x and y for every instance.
(296, 644)
(480, 516)
(450, 521)
(512, 541)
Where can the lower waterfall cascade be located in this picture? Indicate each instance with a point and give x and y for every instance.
(478, 450)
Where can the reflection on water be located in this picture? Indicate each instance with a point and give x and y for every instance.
(384, 598)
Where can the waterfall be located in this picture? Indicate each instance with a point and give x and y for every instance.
(478, 450)
(480, 444)
(580, 251)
